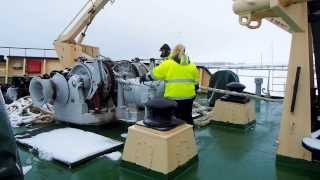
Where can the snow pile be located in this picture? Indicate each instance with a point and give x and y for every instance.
(312, 143)
(69, 145)
(124, 135)
(22, 112)
(315, 134)
(114, 156)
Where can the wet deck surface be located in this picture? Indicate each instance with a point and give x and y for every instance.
(224, 154)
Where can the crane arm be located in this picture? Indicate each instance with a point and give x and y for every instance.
(79, 24)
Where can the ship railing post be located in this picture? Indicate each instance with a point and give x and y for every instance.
(24, 62)
(268, 85)
(7, 67)
(44, 66)
(258, 82)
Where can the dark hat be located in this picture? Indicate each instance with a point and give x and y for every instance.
(165, 47)
(160, 114)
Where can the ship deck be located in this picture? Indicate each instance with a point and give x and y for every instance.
(225, 153)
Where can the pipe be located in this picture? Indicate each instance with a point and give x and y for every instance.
(240, 94)
(120, 95)
(258, 82)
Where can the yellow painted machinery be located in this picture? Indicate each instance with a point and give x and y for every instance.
(69, 43)
(297, 17)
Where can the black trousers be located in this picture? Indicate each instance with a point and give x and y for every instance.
(184, 110)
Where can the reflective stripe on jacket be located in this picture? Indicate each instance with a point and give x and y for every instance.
(180, 78)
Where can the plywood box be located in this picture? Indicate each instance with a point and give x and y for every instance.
(233, 113)
(160, 151)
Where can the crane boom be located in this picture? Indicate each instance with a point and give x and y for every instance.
(82, 20)
(69, 48)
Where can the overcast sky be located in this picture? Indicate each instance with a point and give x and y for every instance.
(128, 29)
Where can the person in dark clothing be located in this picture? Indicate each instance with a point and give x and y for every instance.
(10, 168)
(184, 110)
(165, 52)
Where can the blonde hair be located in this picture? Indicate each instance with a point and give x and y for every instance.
(179, 50)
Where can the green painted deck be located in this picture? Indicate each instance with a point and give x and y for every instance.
(224, 154)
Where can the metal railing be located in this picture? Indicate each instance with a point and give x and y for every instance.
(243, 66)
(275, 83)
(22, 51)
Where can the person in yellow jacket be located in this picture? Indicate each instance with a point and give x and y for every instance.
(181, 78)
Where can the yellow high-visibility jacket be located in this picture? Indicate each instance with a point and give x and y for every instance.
(180, 78)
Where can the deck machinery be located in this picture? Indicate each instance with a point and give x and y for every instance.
(97, 91)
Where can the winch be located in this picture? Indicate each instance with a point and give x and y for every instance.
(97, 91)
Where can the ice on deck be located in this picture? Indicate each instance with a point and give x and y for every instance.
(69, 145)
(114, 156)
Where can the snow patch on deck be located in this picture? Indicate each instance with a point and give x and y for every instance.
(69, 145)
(114, 156)
(124, 135)
(26, 169)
